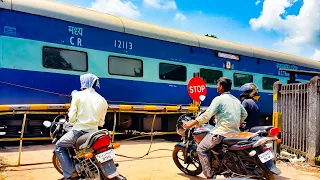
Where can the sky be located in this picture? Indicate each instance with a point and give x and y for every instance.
(288, 26)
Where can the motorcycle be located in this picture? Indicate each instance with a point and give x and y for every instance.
(242, 155)
(92, 153)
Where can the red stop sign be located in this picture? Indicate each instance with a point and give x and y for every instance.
(196, 88)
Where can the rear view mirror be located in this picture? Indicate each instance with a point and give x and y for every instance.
(47, 123)
(62, 120)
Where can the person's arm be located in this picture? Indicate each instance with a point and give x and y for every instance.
(244, 113)
(73, 111)
(103, 116)
(214, 107)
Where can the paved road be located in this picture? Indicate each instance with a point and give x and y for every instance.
(156, 166)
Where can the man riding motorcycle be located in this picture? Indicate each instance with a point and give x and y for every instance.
(249, 97)
(87, 112)
(229, 114)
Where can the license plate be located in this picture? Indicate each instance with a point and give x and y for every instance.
(266, 156)
(106, 156)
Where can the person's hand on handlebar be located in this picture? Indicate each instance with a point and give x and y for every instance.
(190, 124)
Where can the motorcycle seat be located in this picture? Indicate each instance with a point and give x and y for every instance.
(258, 128)
(82, 139)
(233, 140)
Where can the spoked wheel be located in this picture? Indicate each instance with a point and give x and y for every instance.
(56, 163)
(192, 167)
(257, 169)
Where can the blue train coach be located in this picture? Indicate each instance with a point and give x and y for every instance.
(45, 45)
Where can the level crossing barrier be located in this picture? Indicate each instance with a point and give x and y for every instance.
(296, 112)
(58, 109)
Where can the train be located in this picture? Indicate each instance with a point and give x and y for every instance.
(46, 45)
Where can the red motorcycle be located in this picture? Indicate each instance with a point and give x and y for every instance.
(92, 154)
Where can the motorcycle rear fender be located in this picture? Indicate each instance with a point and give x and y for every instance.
(109, 169)
(272, 167)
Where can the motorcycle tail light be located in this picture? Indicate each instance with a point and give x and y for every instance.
(265, 149)
(101, 142)
(274, 132)
(88, 155)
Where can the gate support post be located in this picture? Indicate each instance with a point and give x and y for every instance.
(21, 136)
(313, 130)
(276, 116)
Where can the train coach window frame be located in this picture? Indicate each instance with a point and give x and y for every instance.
(212, 71)
(171, 64)
(64, 49)
(264, 85)
(127, 58)
(237, 84)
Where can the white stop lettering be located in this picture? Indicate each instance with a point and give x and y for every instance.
(197, 89)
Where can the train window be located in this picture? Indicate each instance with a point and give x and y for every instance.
(124, 66)
(64, 59)
(210, 76)
(241, 79)
(268, 83)
(172, 72)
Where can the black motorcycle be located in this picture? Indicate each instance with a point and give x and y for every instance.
(92, 154)
(242, 155)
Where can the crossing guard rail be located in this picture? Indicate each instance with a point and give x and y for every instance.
(57, 109)
(296, 113)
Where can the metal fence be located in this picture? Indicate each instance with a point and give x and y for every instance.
(296, 112)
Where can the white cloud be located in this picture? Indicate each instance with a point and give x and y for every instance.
(117, 7)
(179, 17)
(258, 2)
(298, 30)
(160, 4)
(316, 55)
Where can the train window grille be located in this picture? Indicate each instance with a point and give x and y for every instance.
(64, 59)
(210, 76)
(172, 72)
(124, 66)
(241, 79)
(267, 83)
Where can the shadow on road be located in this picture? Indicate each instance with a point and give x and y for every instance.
(191, 177)
(201, 178)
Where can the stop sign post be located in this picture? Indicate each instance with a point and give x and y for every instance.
(196, 88)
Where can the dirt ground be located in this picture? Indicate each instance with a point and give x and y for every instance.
(157, 165)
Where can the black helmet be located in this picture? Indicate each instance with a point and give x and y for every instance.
(249, 90)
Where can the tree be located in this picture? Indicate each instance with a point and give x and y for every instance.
(211, 35)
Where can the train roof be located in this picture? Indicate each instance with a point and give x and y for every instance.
(58, 10)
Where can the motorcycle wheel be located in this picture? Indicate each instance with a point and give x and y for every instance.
(179, 165)
(56, 163)
(119, 177)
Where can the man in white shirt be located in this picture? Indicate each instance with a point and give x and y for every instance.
(87, 112)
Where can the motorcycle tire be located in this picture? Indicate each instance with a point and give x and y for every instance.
(178, 164)
(56, 163)
(119, 177)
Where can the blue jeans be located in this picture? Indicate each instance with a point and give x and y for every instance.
(207, 143)
(65, 142)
